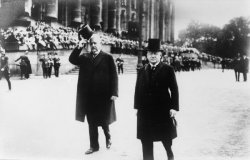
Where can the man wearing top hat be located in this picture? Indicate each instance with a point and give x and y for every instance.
(97, 88)
(157, 101)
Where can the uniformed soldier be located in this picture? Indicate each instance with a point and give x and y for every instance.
(4, 67)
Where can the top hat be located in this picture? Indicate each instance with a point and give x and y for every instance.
(86, 32)
(154, 45)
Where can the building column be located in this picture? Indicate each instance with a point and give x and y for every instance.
(112, 16)
(52, 9)
(67, 17)
(27, 7)
(77, 11)
(151, 19)
(172, 19)
(96, 14)
(144, 19)
(105, 15)
(161, 20)
(129, 10)
(118, 16)
(156, 19)
(167, 22)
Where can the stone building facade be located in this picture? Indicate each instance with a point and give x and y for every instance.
(117, 16)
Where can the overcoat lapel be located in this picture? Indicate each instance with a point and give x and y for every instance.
(158, 68)
(148, 68)
(98, 59)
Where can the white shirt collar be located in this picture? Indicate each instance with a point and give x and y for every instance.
(154, 64)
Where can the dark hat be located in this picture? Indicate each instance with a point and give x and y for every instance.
(85, 31)
(154, 45)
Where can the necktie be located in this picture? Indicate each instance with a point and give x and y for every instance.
(94, 55)
(153, 68)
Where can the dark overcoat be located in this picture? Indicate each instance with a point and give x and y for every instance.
(27, 61)
(97, 82)
(156, 93)
(244, 65)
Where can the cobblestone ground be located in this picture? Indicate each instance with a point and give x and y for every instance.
(37, 120)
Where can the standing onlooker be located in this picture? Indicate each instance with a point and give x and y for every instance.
(223, 64)
(245, 66)
(157, 102)
(26, 68)
(57, 64)
(96, 90)
(50, 65)
(120, 62)
(4, 67)
(45, 65)
(23, 68)
(237, 67)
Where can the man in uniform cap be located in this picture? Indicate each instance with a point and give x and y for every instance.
(157, 102)
(4, 67)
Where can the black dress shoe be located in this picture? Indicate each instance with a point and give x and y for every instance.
(91, 150)
(108, 143)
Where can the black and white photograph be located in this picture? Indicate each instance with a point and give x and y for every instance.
(124, 80)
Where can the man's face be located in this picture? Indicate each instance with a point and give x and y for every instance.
(154, 57)
(95, 44)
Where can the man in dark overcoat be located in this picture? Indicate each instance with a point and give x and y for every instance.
(96, 90)
(45, 65)
(237, 67)
(27, 68)
(56, 64)
(245, 66)
(157, 101)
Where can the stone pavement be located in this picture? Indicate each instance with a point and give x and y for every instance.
(37, 120)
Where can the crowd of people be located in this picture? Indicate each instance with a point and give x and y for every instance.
(40, 36)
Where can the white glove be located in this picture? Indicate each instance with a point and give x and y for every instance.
(81, 43)
(113, 98)
(172, 112)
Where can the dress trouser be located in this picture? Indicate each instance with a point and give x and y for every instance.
(93, 134)
(45, 72)
(147, 149)
(245, 76)
(7, 77)
(120, 69)
(237, 75)
(56, 69)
